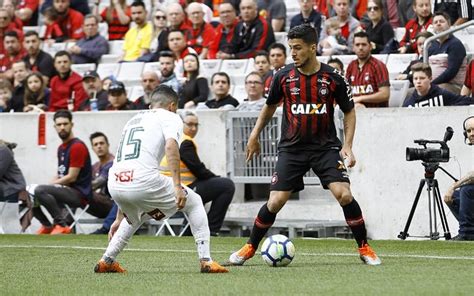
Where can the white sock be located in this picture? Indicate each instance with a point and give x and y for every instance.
(203, 248)
(120, 240)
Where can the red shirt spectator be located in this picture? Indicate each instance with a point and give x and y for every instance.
(62, 89)
(71, 24)
(369, 79)
(6, 60)
(28, 12)
(469, 80)
(222, 40)
(201, 37)
(117, 30)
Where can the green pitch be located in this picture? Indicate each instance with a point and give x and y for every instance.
(63, 265)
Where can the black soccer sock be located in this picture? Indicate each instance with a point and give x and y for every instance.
(262, 223)
(355, 221)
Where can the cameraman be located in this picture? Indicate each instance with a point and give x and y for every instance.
(460, 196)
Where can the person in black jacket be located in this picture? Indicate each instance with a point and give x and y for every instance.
(428, 94)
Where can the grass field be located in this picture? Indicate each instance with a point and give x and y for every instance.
(63, 265)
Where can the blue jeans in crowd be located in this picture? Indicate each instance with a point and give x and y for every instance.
(110, 217)
(463, 209)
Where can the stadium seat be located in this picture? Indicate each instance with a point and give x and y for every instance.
(398, 92)
(209, 67)
(234, 67)
(250, 66)
(82, 68)
(130, 71)
(397, 63)
(399, 33)
(154, 66)
(129, 90)
(31, 28)
(109, 58)
(237, 80)
(106, 70)
(116, 47)
(53, 48)
(135, 93)
(346, 59)
(280, 37)
(239, 92)
(323, 59)
(381, 57)
(104, 30)
(77, 216)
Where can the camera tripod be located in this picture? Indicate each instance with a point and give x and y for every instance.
(435, 204)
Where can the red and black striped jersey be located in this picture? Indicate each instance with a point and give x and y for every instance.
(369, 79)
(308, 106)
(469, 80)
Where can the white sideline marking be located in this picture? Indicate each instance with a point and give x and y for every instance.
(225, 252)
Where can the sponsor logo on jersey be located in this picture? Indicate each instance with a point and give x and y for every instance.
(124, 176)
(292, 78)
(295, 91)
(324, 81)
(362, 89)
(308, 109)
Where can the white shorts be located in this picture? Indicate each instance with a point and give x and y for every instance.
(140, 206)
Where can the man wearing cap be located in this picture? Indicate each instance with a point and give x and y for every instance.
(118, 98)
(93, 87)
(90, 48)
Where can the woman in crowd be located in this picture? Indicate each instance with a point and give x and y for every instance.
(379, 30)
(118, 17)
(160, 31)
(195, 89)
(36, 97)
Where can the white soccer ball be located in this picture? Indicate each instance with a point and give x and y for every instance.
(277, 250)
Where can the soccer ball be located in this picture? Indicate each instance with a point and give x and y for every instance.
(277, 250)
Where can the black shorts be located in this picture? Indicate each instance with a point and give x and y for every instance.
(291, 167)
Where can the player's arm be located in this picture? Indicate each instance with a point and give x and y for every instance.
(116, 224)
(381, 96)
(349, 131)
(466, 180)
(253, 145)
(71, 177)
(172, 154)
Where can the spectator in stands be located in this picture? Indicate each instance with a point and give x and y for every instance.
(6, 90)
(196, 176)
(255, 93)
(5, 26)
(70, 21)
(308, 15)
(104, 206)
(379, 30)
(27, 11)
(421, 23)
(348, 24)
(459, 11)
(36, 59)
(149, 82)
(220, 84)
(274, 12)
(106, 82)
(420, 43)
(428, 94)
(262, 63)
(71, 186)
(251, 34)
(138, 38)
(176, 17)
(336, 64)
(168, 77)
(177, 44)
(222, 42)
(93, 87)
(78, 5)
(195, 88)
(10, 6)
(277, 57)
(36, 98)
(450, 78)
(334, 43)
(159, 40)
(367, 75)
(53, 32)
(117, 16)
(118, 98)
(13, 52)
(66, 87)
(404, 12)
(90, 48)
(20, 72)
(468, 84)
(200, 35)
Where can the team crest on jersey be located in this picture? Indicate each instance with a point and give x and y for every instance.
(323, 91)
(367, 78)
(274, 178)
(295, 91)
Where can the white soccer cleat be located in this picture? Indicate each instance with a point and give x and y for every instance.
(242, 255)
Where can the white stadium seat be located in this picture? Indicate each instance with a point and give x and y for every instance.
(109, 58)
(239, 92)
(130, 71)
(399, 33)
(234, 67)
(82, 68)
(116, 46)
(53, 48)
(106, 70)
(135, 93)
(346, 59)
(209, 67)
(398, 92)
(381, 57)
(154, 66)
(397, 63)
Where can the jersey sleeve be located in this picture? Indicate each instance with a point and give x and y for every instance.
(467, 80)
(275, 95)
(78, 155)
(381, 77)
(172, 127)
(343, 93)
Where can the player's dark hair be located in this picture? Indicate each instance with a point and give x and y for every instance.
(31, 33)
(362, 34)
(62, 53)
(262, 53)
(305, 32)
(138, 3)
(278, 46)
(98, 134)
(166, 54)
(163, 96)
(62, 114)
(336, 61)
(443, 14)
(220, 74)
(422, 67)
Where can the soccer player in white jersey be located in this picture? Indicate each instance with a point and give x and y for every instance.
(141, 192)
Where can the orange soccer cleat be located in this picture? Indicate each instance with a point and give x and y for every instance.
(368, 256)
(104, 267)
(212, 267)
(242, 255)
(45, 230)
(58, 229)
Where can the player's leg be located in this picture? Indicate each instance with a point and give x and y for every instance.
(194, 209)
(288, 178)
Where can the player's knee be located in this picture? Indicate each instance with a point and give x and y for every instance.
(277, 201)
(345, 198)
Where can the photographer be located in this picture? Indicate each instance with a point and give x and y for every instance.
(460, 196)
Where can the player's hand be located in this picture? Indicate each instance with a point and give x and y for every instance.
(181, 198)
(113, 228)
(253, 147)
(348, 156)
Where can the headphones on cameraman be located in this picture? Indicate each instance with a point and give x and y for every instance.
(465, 130)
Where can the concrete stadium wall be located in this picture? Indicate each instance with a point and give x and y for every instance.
(383, 182)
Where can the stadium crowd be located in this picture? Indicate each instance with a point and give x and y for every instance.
(174, 42)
